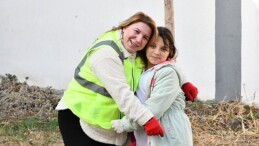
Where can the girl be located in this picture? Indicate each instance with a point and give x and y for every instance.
(160, 91)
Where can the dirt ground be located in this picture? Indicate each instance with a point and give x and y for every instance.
(213, 123)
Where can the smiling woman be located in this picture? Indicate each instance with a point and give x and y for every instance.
(136, 36)
(105, 74)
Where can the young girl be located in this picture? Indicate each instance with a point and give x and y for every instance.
(160, 91)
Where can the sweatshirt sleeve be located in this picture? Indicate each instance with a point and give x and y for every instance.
(109, 69)
(182, 77)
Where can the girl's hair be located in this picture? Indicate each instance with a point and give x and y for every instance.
(168, 40)
(140, 17)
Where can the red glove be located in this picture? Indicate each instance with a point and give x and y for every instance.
(152, 127)
(190, 91)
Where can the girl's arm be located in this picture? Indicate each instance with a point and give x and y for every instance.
(188, 88)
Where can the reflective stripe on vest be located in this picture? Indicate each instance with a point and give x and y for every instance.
(91, 85)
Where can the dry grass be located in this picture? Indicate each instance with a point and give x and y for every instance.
(224, 123)
(27, 117)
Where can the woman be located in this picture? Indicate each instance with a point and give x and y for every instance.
(160, 91)
(103, 85)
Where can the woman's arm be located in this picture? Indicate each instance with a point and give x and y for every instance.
(109, 69)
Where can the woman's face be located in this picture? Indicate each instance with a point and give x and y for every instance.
(136, 36)
(157, 52)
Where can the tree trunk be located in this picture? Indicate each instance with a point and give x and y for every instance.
(169, 15)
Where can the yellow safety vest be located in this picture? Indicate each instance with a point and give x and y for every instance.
(86, 96)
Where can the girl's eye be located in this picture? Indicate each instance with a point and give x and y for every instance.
(153, 46)
(164, 49)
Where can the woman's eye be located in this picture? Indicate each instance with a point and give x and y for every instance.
(146, 38)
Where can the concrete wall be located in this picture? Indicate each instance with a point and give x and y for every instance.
(43, 40)
(195, 41)
(228, 27)
(250, 51)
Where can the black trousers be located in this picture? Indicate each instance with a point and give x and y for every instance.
(71, 131)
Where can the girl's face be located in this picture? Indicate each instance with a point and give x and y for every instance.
(136, 36)
(157, 52)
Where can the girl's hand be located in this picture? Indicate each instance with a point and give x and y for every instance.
(118, 126)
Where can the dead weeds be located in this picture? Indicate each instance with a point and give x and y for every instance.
(223, 123)
(213, 123)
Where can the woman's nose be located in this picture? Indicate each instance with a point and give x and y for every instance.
(139, 38)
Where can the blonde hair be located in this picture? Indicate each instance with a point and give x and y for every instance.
(140, 17)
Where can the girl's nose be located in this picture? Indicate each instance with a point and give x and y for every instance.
(157, 51)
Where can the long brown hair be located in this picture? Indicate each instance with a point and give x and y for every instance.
(140, 17)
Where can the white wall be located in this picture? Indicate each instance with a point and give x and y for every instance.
(250, 51)
(195, 41)
(44, 39)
